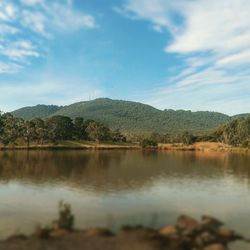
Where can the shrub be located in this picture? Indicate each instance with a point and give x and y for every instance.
(66, 218)
(147, 143)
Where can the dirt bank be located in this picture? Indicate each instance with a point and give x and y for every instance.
(186, 234)
(203, 146)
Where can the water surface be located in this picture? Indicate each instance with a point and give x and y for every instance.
(111, 188)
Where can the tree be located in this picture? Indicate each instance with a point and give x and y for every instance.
(35, 130)
(60, 128)
(117, 136)
(1, 124)
(12, 128)
(98, 132)
(80, 128)
(187, 138)
(29, 131)
(148, 143)
(41, 131)
(236, 133)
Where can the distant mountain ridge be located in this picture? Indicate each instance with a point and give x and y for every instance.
(131, 117)
(39, 110)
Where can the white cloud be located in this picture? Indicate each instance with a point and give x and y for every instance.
(18, 50)
(220, 26)
(237, 58)
(156, 11)
(37, 20)
(9, 68)
(6, 29)
(7, 11)
(32, 2)
(49, 17)
(211, 40)
(66, 18)
(43, 88)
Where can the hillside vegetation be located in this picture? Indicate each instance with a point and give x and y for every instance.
(41, 111)
(132, 117)
(236, 132)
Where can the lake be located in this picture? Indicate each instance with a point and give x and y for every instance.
(112, 188)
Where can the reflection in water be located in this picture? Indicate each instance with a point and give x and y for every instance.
(109, 188)
(102, 170)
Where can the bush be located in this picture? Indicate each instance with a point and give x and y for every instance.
(66, 218)
(147, 143)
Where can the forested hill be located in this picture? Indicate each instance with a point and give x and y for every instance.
(41, 111)
(131, 117)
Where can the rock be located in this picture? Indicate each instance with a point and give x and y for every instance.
(168, 230)
(126, 228)
(226, 233)
(43, 233)
(58, 233)
(207, 238)
(198, 242)
(210, 223)
(17, 237)
(187, 224)
(98, 232)
(215, 247)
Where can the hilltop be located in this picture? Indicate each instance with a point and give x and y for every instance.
(41, 111)
(131, 117)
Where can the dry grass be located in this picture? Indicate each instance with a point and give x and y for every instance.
(202, 146)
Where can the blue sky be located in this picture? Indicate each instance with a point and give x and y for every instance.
(183, 54)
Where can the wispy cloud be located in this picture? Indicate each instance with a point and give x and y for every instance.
(211, 40)
(7, 11)
(19, 50)
(46, 89)
(36, 20)
(7, 68)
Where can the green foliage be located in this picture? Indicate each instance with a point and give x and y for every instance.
(1, 124)
(236, 133)
(66, 218)
(117, 136)
(103, 119)
(11, 129)
(35, 130)
(80, 128)
(54, 129)
(138, 118)
(187, 138)
(60, 127)
(148, 143)
(98, 132)
(41, 111)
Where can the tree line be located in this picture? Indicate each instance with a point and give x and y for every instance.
(234, 133)
(15, 130)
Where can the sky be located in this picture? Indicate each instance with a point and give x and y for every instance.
(182, 54)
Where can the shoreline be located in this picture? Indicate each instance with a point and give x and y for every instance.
(72, 145)
(204, 147)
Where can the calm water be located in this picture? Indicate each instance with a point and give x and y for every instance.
(110, 188)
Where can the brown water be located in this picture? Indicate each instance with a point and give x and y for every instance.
(111, 188)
